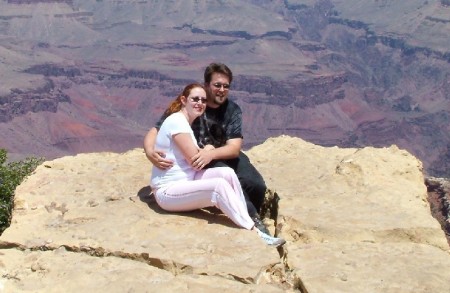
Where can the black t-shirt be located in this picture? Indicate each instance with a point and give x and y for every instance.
(216, 125)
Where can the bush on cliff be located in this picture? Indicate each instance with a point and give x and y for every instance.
(11, 175)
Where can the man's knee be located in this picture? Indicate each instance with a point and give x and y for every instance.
(254, 182)
(214, 164)
(260, 187)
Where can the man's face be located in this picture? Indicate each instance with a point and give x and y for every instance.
(218, 89)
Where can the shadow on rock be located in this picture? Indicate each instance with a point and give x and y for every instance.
(210, 214)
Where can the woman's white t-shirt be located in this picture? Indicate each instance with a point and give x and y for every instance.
(181, 170)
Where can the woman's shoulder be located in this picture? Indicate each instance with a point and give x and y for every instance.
(177, 122)
(171, 120)
(175, 116)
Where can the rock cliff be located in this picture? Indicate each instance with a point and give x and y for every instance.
(355, 220)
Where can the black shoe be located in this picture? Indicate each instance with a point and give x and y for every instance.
(260, 225)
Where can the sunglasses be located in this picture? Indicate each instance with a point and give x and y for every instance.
(218, 85)
(197, 99)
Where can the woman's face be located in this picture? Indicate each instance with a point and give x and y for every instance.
(196, 102)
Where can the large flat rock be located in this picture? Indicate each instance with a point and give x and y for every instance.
(370, 267)
(100, 205)
(63, 271)
(355, 220)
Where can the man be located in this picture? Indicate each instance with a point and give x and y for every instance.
(224, 115)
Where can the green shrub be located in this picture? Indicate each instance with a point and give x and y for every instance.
(11, 175)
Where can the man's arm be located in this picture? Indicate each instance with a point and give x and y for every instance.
(156, 157)
(230, 150)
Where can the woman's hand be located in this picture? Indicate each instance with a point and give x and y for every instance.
(208, 147)
(202, 158)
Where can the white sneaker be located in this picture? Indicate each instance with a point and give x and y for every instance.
(272, 241)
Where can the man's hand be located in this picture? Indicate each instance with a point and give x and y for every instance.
(157, 157)
(202, 158)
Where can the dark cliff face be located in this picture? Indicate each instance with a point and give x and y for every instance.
(96, 75)
(439, 199)
(70, 2)
(445, 2)
(19, 102)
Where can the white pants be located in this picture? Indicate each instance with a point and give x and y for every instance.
(217, 187)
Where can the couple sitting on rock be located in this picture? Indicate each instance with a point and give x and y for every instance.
(196, 154)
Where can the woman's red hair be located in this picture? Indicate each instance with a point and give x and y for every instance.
(176, 104)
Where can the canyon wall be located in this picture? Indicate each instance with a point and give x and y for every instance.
(81, 76)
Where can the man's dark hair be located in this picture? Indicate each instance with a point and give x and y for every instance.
(219, 68)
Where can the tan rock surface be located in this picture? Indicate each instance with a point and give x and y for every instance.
(62, 271)
(99, 205)
(356, 220)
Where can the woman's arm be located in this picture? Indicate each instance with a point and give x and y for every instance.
(184, 142)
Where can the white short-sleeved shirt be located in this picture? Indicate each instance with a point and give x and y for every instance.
(181, 170)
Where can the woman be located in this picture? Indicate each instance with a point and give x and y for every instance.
(183, 188)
